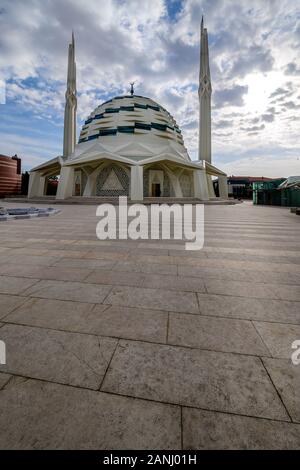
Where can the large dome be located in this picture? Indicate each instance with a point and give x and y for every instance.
(133, 119)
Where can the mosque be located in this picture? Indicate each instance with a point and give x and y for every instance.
(132, 146)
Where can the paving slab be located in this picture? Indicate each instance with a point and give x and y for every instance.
(278, 337)
(239, 264)
(248, 289)
(145, 259)
(52, 416)
(4, 378)
(28, 260)
(69, 358)
(204, 379)
(240, 274)
(55, 314)
(256, 257)
(29, 251)
(249, 251)
(85, 263)
(206, 430)
(15, 285)
(131, 266)
(103, 254)
(52, 272)
(182, 283)
(64, 290)
(4, 249)
(276, 277)
(67, 253)
(8, 303)
(131, 323)
(218, 334)
(103, 320)
(249, 308)
(212, 272)
(157, 299)
(115, 278)
(286, 378)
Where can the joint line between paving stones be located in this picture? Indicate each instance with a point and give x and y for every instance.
(257, 331)
(168, 324)
(34, 284)
(17, 306)
(108, 366)
(198, 303)
(106, 307)
(277, 391)
(108, 293)
(7, 382)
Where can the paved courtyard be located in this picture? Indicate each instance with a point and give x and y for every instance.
(142, 345)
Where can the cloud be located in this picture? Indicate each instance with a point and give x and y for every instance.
(279, 92)
(268, 117)
(253, 59)
(292, 69)
(230, 96)
(253, 128)
(254, 120)
(290, 105)
(223, 124)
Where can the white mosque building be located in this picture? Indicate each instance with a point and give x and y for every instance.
(132, 146)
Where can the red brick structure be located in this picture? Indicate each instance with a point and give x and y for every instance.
(10, 175)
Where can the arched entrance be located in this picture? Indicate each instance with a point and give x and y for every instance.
(156, 182)
(51, 183)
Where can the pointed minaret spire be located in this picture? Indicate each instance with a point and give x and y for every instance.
(71, 104)
(204, 99)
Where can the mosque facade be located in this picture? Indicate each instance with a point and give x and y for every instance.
(132, 146)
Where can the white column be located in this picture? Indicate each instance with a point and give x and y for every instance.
(223, 187)
(210, 186)
(66, 182)
(90, 185)
(34, 184)
(200, 185)
(41, 190)
(136, 183)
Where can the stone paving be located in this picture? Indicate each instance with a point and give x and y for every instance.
(143, 345)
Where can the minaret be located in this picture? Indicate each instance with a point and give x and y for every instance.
(204, 99)
(71, 104)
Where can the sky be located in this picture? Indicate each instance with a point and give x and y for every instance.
(254, 59)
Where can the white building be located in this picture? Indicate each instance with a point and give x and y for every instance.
(132, 146)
